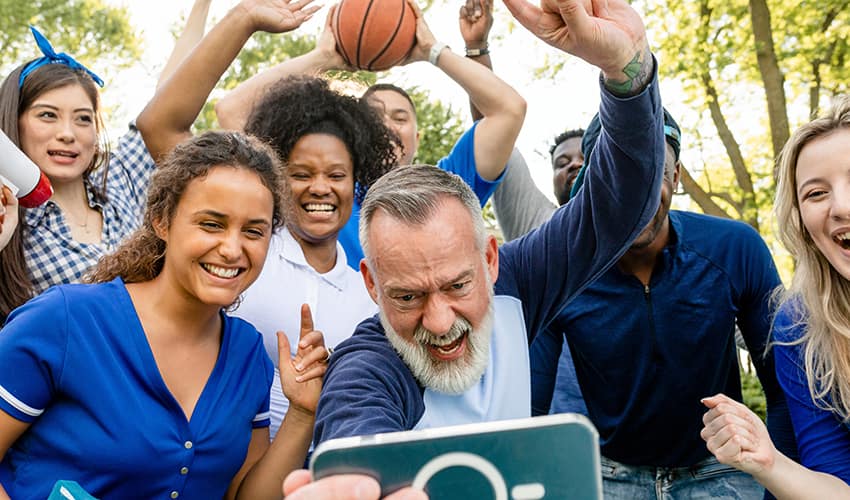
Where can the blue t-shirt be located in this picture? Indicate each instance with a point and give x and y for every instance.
(460, 161)
(822, 439)
(75, 363)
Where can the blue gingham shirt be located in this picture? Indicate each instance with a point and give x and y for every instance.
(53, 256)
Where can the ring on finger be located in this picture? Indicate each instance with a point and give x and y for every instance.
(330, 350)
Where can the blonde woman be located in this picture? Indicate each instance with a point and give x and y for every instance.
(812, 326)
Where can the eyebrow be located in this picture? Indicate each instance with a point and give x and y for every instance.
(401, 289)
(801, 187)
(219, 215)
(51, 106)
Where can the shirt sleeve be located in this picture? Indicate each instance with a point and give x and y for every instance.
(263, 416)
(366, 392)
(519, 205)
(822, 439)
(461, 161)
(33, 344)
(132, 166)
(754, 318)
(552, 264)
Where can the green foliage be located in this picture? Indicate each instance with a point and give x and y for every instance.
(753, 393)
(98, 35)
(708, 47)
(440, 127)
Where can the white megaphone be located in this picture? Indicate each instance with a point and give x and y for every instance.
(33, 186)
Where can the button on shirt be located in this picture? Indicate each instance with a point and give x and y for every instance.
(53, 256)
(338, 300)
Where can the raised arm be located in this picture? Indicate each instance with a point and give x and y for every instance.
(502, 108)
(189, 38)
(266, 466)
(233, 109)
(168, 117)
(550, 266)
(476, 19)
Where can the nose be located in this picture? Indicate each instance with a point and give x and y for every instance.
(65, 131)
(839, 207)
(438, 315)
(320, 186)
(230, 246)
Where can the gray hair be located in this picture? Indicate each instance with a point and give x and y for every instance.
(411, 194)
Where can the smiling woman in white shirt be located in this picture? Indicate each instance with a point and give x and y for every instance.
(333, 148)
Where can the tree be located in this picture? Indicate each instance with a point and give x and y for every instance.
(729, 54)
(98, 35)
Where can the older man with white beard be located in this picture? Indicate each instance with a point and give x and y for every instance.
(450, 345)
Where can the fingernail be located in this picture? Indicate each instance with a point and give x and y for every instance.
(299, 367)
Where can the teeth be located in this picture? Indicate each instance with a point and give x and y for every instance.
(318, 207)
(843, 236)
(221, 272)
(63, 153)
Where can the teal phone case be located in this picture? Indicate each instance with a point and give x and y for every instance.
(555, 456)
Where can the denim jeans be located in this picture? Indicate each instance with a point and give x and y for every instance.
(708, 479)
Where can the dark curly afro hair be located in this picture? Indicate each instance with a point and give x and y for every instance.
(301, 105)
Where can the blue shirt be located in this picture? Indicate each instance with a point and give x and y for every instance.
(76, 365)
(822, 439)
(645, 355)
(368, 389)
(460, 161)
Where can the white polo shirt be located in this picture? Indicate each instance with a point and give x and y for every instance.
(338, 300)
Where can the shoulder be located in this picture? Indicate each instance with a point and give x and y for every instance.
(789, 323)
(698, 227)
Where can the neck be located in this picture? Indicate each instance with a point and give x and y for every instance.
(171, 311)
(640, 262)
(70, 195)
(320, 255)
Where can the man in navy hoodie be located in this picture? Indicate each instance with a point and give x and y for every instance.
(450, 345)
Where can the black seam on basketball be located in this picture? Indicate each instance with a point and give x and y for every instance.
(362, 30)
(391, 39)
(337, 34)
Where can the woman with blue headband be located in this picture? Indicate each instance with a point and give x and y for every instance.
(49, 108)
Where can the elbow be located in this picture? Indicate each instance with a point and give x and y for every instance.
(517, 107)
(224, 114)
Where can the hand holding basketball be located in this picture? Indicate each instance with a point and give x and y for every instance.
(326, 45)
(424, 38)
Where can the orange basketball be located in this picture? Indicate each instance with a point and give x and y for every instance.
(374, 34)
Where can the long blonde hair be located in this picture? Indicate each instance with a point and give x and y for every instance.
(819, 297)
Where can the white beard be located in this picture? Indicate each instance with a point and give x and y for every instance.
(449, 377)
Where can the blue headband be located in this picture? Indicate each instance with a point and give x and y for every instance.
(51, 57)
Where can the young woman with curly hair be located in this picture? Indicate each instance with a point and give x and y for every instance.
(811, 329)
(139, 386)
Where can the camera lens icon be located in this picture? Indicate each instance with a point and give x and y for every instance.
(530, 491)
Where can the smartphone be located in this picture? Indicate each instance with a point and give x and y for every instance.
(553, 456)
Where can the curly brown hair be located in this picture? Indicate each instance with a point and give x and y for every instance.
(141, 257)
(301, 105)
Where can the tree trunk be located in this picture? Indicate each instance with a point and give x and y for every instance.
(771, 76)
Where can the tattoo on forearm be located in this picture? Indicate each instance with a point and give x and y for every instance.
(638, 73)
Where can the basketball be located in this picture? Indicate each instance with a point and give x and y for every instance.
(374, 34)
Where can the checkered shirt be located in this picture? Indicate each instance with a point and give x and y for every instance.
(53, 256)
